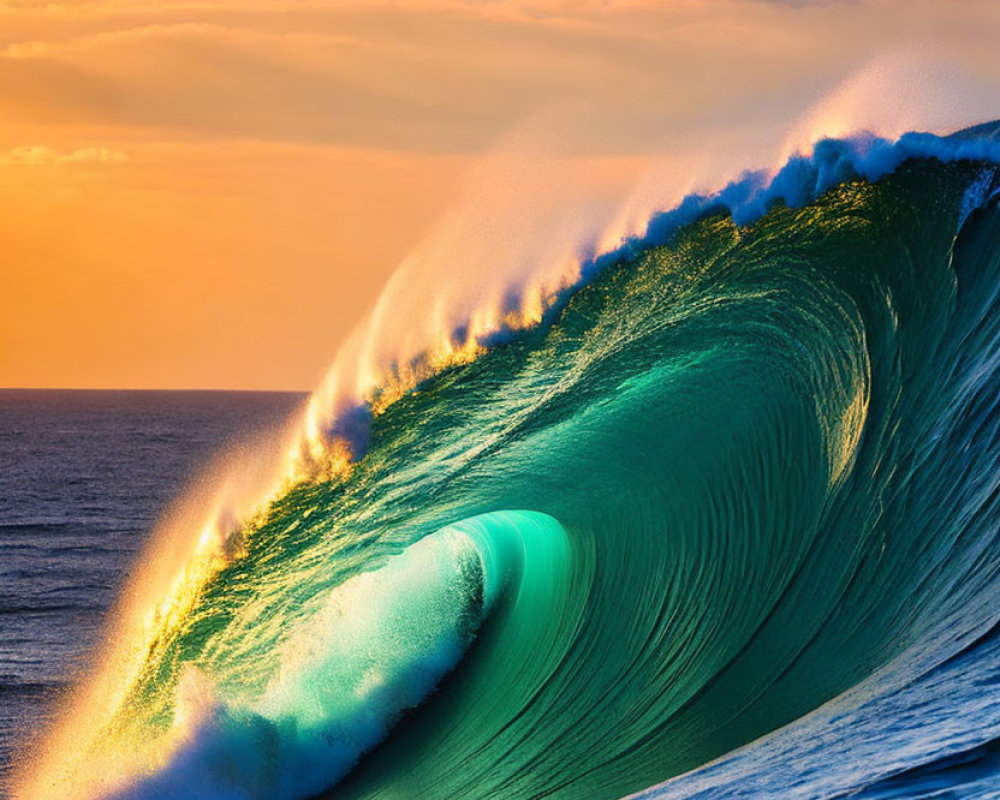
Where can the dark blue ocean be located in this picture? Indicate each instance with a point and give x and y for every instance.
(84, 475)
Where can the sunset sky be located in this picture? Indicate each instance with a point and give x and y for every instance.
(201, 194)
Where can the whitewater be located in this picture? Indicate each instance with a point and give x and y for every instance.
(711, 512)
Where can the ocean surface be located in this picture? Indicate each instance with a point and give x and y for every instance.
(725, 523)
(84, 476)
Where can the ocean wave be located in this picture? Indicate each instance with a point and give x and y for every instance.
(754, 459)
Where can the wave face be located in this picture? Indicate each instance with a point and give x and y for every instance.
(746, 468)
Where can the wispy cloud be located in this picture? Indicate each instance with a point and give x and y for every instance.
(40, 155)
(442, 77)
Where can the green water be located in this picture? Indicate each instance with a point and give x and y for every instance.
(729, 478)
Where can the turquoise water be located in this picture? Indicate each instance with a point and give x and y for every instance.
(749, 465)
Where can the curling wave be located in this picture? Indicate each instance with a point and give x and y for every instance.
(759, 453)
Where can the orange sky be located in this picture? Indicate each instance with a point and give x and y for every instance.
(212, 193)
